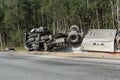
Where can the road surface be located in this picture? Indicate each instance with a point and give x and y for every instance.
(28, 67)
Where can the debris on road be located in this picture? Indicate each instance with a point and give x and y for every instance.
(9, 49)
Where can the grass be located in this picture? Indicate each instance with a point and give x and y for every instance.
(21, 48)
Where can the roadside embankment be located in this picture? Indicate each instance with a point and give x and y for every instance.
(75, 55)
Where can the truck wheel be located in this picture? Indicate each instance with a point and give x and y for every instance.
(117, 42)
(36, 47)
(28, 48)
(32, 35)
(73, 37)
(45, 47)
(74, 28)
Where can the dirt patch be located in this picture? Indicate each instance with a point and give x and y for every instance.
(76, 55)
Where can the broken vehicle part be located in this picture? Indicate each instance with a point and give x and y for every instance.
(99, 40)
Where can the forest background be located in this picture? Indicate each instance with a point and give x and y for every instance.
(20, 16)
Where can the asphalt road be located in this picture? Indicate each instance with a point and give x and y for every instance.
(27, 67)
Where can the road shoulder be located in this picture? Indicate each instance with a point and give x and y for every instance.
(102, 55)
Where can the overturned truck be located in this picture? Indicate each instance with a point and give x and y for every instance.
(41, 39)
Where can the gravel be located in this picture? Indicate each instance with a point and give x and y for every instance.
(76, 55)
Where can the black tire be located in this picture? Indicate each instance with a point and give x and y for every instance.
(45, 37)
(30, 40)
(28, 48)
(74, 28)
(45, 47)
(117, 42)
(36, 38)
(73, 37)
(33, 35)
(40, 30)
(36, 47)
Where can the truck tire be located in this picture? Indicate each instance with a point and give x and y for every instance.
(36, 47)
(74, 28)
(45, 47)
(32, 35)
(30, 40)
(46, 37)
(117, 42)
(73, 37)
(40, 30)
(28, 48)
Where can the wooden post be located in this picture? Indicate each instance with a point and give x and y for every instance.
(98, 23)
(1, 43)
(112, 13)
(118, 14)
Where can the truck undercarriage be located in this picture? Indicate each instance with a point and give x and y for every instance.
(41, 39)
